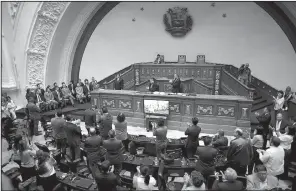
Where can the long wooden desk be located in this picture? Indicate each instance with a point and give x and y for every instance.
(214, 111)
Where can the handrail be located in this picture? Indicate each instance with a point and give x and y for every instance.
(248, 88)
(112, 76)
(202, 84)
(112, 81)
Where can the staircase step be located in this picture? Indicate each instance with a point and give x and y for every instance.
(256, 97)
(258, 101)
(261, 105)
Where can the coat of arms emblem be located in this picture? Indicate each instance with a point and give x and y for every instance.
(177, 21)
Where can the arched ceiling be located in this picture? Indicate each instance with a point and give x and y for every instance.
(284, 13)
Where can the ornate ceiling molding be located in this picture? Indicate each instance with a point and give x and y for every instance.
(44, 27)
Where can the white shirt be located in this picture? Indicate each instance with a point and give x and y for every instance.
(286, 141)
(278, 125)
(273, 160)
(139, 184)
(279, 103)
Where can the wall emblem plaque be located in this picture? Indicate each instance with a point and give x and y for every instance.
(177, 21)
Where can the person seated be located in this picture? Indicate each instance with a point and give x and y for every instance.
(38, 87)
(49, 99)
(79, 93)
(206, 155)
(27, 156)
(11, 107)
(72, 87)
(67, 93)
(86, 90)
(45, 170)
(58, 97)
(194, 182)
(260, 180)
(143, 180)
(93, 150)
(220, 141)
(114, 153)
(40, 100)
(153, 86)
(105, 179)
(228, 181)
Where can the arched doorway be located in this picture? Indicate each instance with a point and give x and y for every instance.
(67, 28)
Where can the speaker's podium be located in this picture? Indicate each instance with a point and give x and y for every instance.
(155, 111)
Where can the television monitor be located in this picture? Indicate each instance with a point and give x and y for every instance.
(156, 107)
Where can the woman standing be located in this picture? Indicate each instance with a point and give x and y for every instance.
(121, 130)
(27, 161)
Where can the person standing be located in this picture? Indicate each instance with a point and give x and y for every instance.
(240, 153)
(176, 84)
(220, 142)
(58, 129)
(280, 124)
(161, 138)
(153, 86)
(192, 142)
(90, 118)
(273, 158)
(278, 103)
(246, 76)
(34, 113)
(264, 120)
(73, 135)
(121, 130)
(114, 153)
(105, 123)
(92, 84)
(118, 83)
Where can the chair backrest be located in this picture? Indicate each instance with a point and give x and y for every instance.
(212, 178)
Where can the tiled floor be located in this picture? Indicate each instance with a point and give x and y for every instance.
(173, 134)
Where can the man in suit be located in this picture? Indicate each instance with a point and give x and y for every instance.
(192, 142)
(176, 84)
(240, 153)
(73, 134)
(105, 179)
(58, 97)
(264, 120)
(92, 84)
(93, 149)
(41, 89)
(114, 153)
(72, 87)
(280, 124)
(106, 122)
(58, 131)
(207, 155)
(90, 118)
(260, 180)
(118, 83)
(34, 113)
(220, 141)
(153, 86)
(161, 138)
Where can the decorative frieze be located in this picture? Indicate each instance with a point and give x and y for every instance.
(167, 87)
(137, 77)
(138, 106)
(245, 114)
(226, 111)
(43, 30)
(188, 109)
(217, 82)
(175, 107)
(125, 104)
(109, 103)
(204, 110)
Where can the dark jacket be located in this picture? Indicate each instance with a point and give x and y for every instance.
(264, 120)
(73, 134)
(105, 124)
(72, 87)
(90, 117)
(240, 152)
(176, 85)
(118, 85)
(106, 182)
(91, 86)
(193, 133)
(58, 127)
(228, 185)
(114, 150)
(207, 154)
(153, 87)
(283, 126)
(55, 95)
(93, 143)
(30, 94)
(34, 111)
(85, 90)
(220, 142)
(41, 97)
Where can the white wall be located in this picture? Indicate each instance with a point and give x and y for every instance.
(247, 34)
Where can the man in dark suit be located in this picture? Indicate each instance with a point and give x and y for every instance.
(40, 100)
(58, 131)
(34, 113)
(280, 124)
(41, 89)
(153, 86)
(86, 90)
(176, 84)
(264, 120)
(90, 118)
(207, 155)
(92, 146)
(106, 180)
(220, 141)
(240, 153)
(58, 97)
(105, 123)
(73, 134)
(118, 83)
(72, 87)
(192, 143)
(114, 149)
(92, 84)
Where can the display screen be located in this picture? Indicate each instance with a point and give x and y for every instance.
(156, 107)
